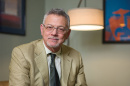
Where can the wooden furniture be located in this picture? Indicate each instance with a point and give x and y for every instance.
(4, 83)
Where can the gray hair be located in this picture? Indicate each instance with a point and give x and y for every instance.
(59, 12)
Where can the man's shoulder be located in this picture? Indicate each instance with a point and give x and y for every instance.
(29, 45)
(72, 53)
(69, 49)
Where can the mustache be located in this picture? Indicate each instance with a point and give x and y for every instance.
(53, 38)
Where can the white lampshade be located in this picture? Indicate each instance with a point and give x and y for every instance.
(86, 19)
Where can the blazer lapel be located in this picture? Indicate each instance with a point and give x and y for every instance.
(41, 61)
(66, 66)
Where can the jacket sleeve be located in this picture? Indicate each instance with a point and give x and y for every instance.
(19, 69)
(81, 80)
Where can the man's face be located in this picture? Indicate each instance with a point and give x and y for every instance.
(54, 39)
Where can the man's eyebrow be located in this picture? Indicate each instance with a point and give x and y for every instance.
(57, 26)
(60, 26)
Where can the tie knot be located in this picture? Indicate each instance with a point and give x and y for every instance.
(52, 56)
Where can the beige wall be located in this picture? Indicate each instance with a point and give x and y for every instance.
(105, 64)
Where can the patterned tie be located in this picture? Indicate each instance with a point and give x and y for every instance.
(54, 78)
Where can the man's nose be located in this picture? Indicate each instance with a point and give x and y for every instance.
(54, 32)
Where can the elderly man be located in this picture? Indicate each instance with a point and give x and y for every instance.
(47, 62)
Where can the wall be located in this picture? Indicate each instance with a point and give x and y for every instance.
(104, 64)
(34, 14)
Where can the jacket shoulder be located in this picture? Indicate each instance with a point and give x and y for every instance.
(71, 51)
(29, 45)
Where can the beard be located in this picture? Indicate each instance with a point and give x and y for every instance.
(53, 46)
(56, 45)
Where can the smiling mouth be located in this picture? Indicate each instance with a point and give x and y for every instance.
(54, 38)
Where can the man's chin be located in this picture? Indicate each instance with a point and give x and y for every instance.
(53, 45)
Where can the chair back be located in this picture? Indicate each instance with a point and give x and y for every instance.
(4, 83)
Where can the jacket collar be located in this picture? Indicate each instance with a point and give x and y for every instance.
(41, 61)
(66, 61)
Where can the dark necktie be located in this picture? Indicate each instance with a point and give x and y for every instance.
(54, 78)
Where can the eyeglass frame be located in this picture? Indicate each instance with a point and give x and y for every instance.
(56, 29)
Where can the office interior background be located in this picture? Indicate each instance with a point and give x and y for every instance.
(104, 64)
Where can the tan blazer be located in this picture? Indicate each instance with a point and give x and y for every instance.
(29, 67)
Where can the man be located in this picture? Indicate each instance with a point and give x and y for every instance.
(32, 64)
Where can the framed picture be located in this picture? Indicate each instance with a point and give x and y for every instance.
(116, 21)
(12, 17)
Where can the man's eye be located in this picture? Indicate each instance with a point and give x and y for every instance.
(61, 29)
(49, 27)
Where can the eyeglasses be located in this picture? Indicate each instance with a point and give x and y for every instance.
(60, 29)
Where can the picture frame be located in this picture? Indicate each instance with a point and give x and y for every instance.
(12, 17)
(116, 21)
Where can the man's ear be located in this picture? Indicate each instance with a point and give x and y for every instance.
(41, 28)
(68, 33)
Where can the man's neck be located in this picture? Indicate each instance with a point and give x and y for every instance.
(54, 50)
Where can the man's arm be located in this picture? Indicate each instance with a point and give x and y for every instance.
(81, 80)
(19, 69)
